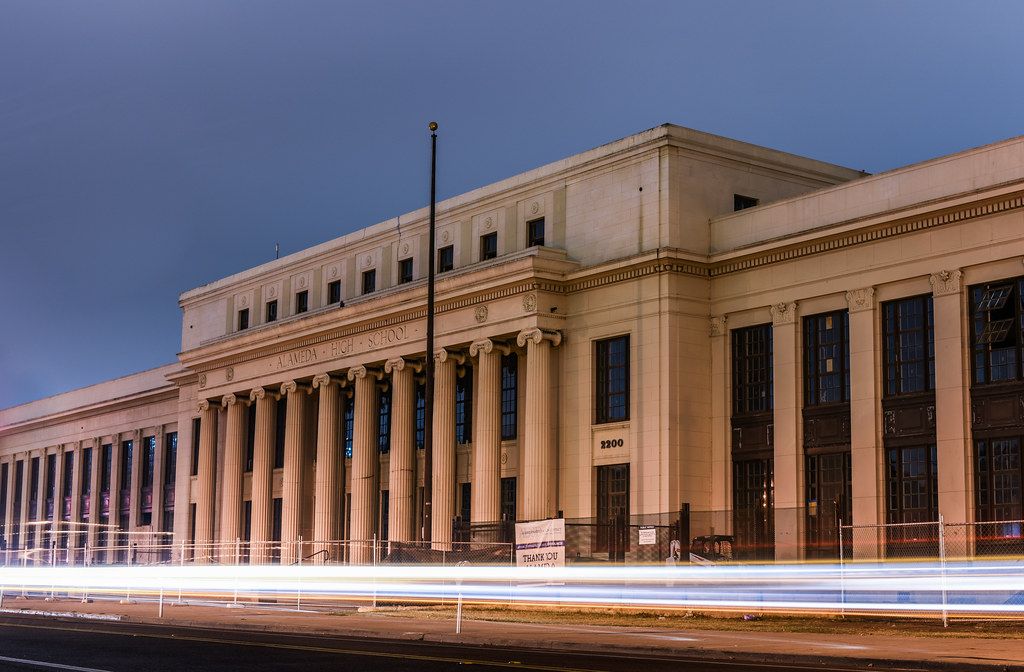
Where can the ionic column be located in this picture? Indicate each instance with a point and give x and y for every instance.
(231, 488)
(294, 458)
(26, 481)
(93, 535)
(402, 463)
(865, 434)
(262, 474)
(330, 468)
(539, 452)
(57, 525)
(9, 505)
(952, 431)
(40, 513)
(207, 479)
(134, 484)
(157, 488)
(76, 535)
(114, 521)
(365, 464)
(443, 492)
(486, 492)
(786, 386)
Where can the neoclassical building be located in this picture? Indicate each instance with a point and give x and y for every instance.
(670, 318)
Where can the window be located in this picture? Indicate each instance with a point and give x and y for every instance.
(86, 484)
(405, 271)
(67, 480)
(272, 310)
(753, 502)
(301, 301)
(421, 414)
(464, 407)
(489, 246)
(250, 436)
(170, 462)
(509, 395)
(752, 370)
(612, 502)
(385, 506)
(243, 319)
(827, 358)
(611, 377)
(282, 418)
(997, 322)
(369, 281)
(908, 346)
(508, 499)
(148, 460)
(195, 446)
(106, 464)
(4, 470)
(912, 494)
(445, 259)
(743, 202)
(126, 465)
(384, 421)
(348, 422)
(466, 501)
(333, 292)
(535, 233)
(999, 479)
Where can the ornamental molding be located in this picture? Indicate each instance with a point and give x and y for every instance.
(480, 314)
(860, 299)
(783, 313)
(945, 283)
(718, 325)
(530, 303)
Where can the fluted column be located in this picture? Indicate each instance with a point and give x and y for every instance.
(294, 459)
(231, 489)
(262, 473)
(443, 497)
(539, 453)
(93, 534)
(76, 538)
(26, 481)
(330, 468)
(9, 504)
(486, 492)
(365, 464)
(207, 477)
(402, 463)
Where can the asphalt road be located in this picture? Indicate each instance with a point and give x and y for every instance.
(49, 644)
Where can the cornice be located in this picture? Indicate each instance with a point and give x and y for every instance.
(168, 393)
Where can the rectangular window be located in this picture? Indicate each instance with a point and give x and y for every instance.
(508, 499)
(384, 421)
(250, 436)
(997, 321)
(68, 477)
(4, 474)
(106, 467)
(348, 422)
(333, 292)
(466, 501)
(243, 319)
(509, 396)
(421, 414)
(743, 202)
(19, 485)
(86, 473)
(908, 340)
(125, 500)
(369, 281)
(535, 233)
(445, 259)
(489, 246)
(999, 495)
(611, 377)
(51, 476)
(301, 301)
(404, 271)
(464, 406)
(170, 460)
(247, 521)
(282, 418)
(827, 358)
(385, 505)
(277, 507)
(752, 370)
(753, 502)
(612, 504)
(272, 310)
(912, 494)
(148, 460)
(195, 446)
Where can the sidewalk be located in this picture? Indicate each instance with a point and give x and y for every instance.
(952, 653)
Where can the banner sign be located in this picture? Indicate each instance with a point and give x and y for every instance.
(541, 543)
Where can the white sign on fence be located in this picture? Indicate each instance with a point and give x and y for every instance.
(541, 543)
(648, 536)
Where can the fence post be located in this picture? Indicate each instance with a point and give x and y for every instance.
(373, 558)
(684, 532)
(842, 576)
(942, 568)
(298, 586)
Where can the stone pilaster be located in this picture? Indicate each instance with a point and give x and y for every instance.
(402, 463)
(9, 521)
(94, 497)
(721, 453)
(365, 465)
(206, 484)
(134, 482)
(294, 459)
(231, 488)
(262, 474)
(329, 481)
(443, 496)
(486, 506)
(865, 432)
(539, 466)
(952, 385)
(788, 464)
(26, 483)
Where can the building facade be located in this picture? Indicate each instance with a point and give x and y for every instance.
(675, 317)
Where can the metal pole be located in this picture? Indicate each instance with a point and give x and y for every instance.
(842, 578)
(298, 587)
(942, 564)
(428, 406)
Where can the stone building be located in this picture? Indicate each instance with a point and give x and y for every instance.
(673, 317)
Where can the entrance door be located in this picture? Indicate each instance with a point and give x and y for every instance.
(753, 509)
(612, 503)
(828, 502)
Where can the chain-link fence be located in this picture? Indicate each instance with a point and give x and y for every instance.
(936, 539)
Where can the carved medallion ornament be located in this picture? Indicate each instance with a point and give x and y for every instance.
(718, 325)
(229, 373)
(945, 283)
(202, 380)
(445, 237)
(783, 313)
(535, 207)
(405, 249)
(302, 282)
(530, 303)
(367, 261)
(272, 292)
(860, 299)
(480, 314)
(244, 301)
(504, 458)
(334, 272)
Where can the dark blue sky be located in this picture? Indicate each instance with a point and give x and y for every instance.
(147, 148)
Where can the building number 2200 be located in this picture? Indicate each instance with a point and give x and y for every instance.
(611, 443)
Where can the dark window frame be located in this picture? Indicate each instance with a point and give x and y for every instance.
(464, 406)
(243, 319)
(271, 311)
(611, 379)
(535, 232)
(997, 331)
(752, 370)
(827, 358)
(489, 246)
(333, 292)
(908, 346)
(741, 202)
(509, 396)
(384, 420)
(369, 281)
(405, 270)
(446, 259)
(301, 301)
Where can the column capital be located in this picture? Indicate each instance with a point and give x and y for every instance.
(228, 400)
(324, 380)
(538, 336)
(860, 299)
(202, 406)
(442, 355)
(399, 364)
(260, 393)
(486, 346)
(292, 387)
(945, 283)
(362, 371)
(718, 326)
(783, 313)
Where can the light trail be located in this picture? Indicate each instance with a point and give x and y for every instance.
(994, 588)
